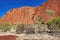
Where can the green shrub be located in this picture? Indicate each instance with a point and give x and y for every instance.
(54, 24)
(4, 27)
(7, 27)
(49, 12)
(38, 20)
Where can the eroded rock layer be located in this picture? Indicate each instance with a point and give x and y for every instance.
(28, 15)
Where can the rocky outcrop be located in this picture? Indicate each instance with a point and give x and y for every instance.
(19, 15)
(28, 15)
(50, 5)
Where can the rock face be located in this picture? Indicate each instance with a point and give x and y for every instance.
(19, 15)
(50, 5)
(28, 15)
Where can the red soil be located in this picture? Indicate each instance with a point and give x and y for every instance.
(8, 37)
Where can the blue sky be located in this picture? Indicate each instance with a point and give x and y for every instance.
(6, 5)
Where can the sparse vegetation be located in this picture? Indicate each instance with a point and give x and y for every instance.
(38, 20)
(49, 12)
(7, 27)
(4, 27)
(54, 25)
(20, 28)
(38, 26)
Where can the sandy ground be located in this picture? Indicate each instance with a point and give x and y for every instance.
(42, 36)
(38, 37)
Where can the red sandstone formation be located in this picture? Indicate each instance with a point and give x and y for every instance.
(8, 37)
(50, 5)
(19, 15)
(25, 14)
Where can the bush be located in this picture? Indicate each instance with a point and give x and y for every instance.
(7, 27)
(23, 28)
(49, 12)
(54, 25)
(20, 28)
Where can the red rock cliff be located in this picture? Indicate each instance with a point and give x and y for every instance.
(50, 5)
(19, 15)
(25, 14)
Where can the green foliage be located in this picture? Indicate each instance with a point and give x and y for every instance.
(38, 20)
(54, 24)
(4, 27)
(56, 20)
(7, 27)
(49, 12)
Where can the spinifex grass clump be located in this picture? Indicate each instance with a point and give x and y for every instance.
(7, 27)
(49, 12)
(4, 27)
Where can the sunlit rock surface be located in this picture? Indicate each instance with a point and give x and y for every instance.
(28, 15)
